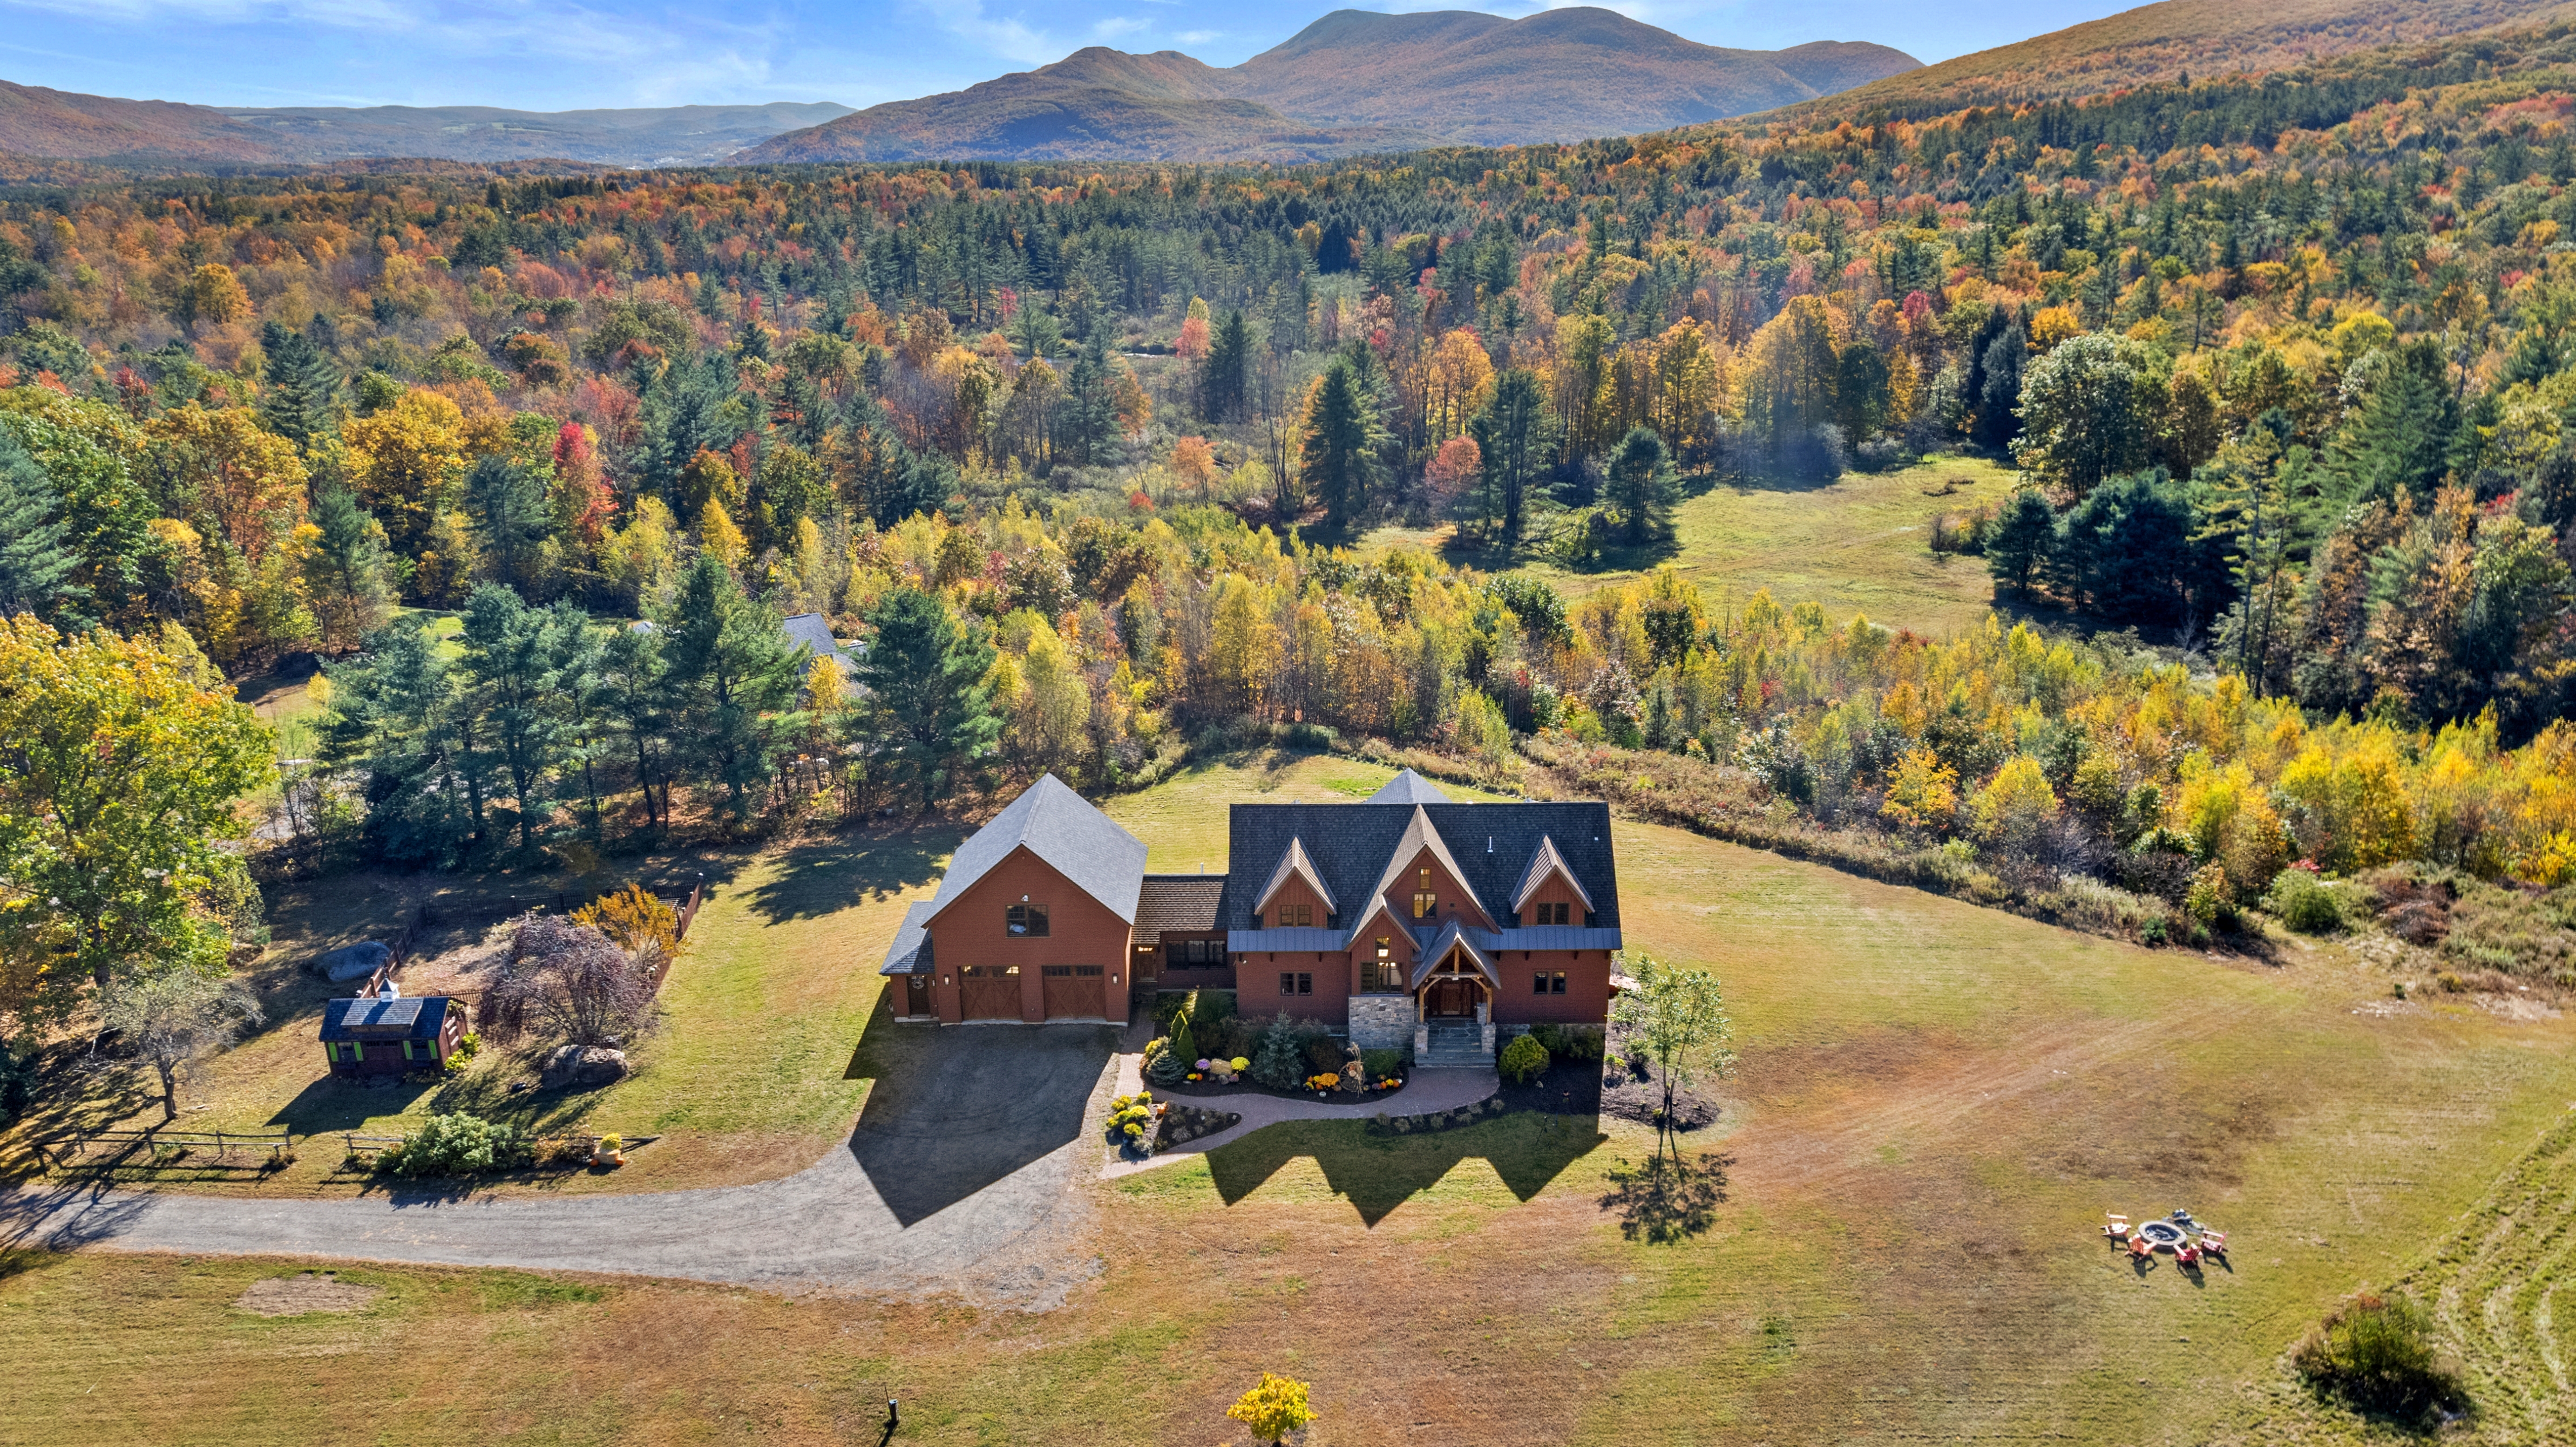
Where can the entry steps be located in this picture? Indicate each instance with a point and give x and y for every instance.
(1455, 1047)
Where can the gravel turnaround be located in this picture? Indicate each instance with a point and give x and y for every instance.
(960, 1180)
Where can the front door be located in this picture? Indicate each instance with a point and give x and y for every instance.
(992, 992)
(1451, 999)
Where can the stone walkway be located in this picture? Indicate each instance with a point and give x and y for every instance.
(1424, 1092)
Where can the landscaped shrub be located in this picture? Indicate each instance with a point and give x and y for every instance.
(1280, 1062)
(1380, 1064)
(1569, 1042)
(1326, 1054)
(1522, 1060)
(1211, 1007)
(1131, 1120)
(2376, 1353)
(1165, 1064)
(2303, 902)
(459, 1145)
(1182, 1049)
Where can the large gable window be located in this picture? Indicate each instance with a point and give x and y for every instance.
(1425, 902)
(1026, 921)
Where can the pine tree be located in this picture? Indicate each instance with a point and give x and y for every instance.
(928, 715)
(2021, 538)
(512, 681)
(1640, 486)
(347, 572)
(1337, 452)
(1224, 379)
(300, 386)
(1513, 444)
(735, 680)
(513, 517)
(35, 567)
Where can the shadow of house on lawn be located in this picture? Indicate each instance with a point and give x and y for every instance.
(954, 1110)
(833, 874)
(1378, 1173)
(332, 1104)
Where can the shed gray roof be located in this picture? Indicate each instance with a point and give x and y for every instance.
(1355, 846)
(815, 632)
(1060, 827)
(415, 1017)
(910, 952)
(1408, 787)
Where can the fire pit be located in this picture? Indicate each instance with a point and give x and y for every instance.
(2163, 1235)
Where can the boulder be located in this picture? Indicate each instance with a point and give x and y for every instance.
(583, 1066)
(353, 962)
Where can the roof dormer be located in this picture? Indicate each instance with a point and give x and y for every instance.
(1293, 864)
(1546, 864)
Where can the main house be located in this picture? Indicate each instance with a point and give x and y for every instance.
(1405, 921)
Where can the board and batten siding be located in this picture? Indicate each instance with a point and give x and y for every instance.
(974, 930)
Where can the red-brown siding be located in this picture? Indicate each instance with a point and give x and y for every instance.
(1586, 1000)
(973, 930)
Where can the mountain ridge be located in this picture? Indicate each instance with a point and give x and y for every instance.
(1353, 80)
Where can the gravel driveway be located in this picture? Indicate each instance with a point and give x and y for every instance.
(958, 1179)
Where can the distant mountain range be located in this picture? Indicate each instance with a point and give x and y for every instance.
(35, 121)
(1355, 80)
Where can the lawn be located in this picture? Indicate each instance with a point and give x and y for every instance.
(1936, 1105)
(1861, 543)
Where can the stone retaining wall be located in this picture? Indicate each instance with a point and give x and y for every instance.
(1382, 1022)
(1486, 1109)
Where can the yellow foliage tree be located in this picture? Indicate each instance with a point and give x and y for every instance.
(1275, 1407)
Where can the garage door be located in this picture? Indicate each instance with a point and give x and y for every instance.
(1073, 992)
(992, 992)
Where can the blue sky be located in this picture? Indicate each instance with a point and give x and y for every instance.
(568, 54)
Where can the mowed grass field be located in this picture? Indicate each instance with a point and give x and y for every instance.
(1861, 543)
(1936, 1105)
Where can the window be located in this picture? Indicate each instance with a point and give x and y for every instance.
(1296, 984)
(1027, 921)
(1556, 983)
(1382, 975)
(1056, 972)
(1538, 982)
(1305, 984)
(1305, 915)
(1557, 913)
(1424, 901)
(989, 972)
(1086, 972)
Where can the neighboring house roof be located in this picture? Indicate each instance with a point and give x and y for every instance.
(1177, 904)
(1542, 864)
(420, 1017)
(910, 952)
(1408, 787)
(1294, 865)
(1060, 827)
(815, 632)
(1355, 850)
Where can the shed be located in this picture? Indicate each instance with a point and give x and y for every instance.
(370, 1036)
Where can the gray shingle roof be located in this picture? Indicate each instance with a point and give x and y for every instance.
(1408, 787)
(1545, 861)
(1353, 847)
(815, 632)
(1177, 904)
(1059, 826)
(414, 1017)
(910, 952)
(1294, 863)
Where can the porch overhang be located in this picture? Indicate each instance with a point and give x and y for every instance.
(1450, 938)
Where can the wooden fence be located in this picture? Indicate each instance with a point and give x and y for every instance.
(64, 1149)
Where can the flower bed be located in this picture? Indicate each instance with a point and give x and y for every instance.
(1184, 1123)
(1210, 1085)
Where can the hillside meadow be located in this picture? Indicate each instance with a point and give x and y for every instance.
(1936, 1105)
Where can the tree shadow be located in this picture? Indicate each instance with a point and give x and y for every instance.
(954, 1110)
(830, 875)
(1667, 1199)
(1377, 1173)
(61, 1217)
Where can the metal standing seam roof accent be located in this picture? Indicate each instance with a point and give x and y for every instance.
(1408, 787)
(1450, 937)
(1294, 863)
(1544, 862)
(1296, 939)
(413, 1017)
(910, 952)
(1061, 828)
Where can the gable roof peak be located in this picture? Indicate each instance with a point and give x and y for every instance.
(1293, 863)
(1061, 828)
(1408, 787)
(1546, 861)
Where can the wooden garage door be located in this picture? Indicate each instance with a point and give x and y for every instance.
(992, 992)
(1073, 991)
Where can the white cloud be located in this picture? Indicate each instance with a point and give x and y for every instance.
(1118, 25)
(1197, 37)
(1002, 37)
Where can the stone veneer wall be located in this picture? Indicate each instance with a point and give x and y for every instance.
(1382, 1022)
